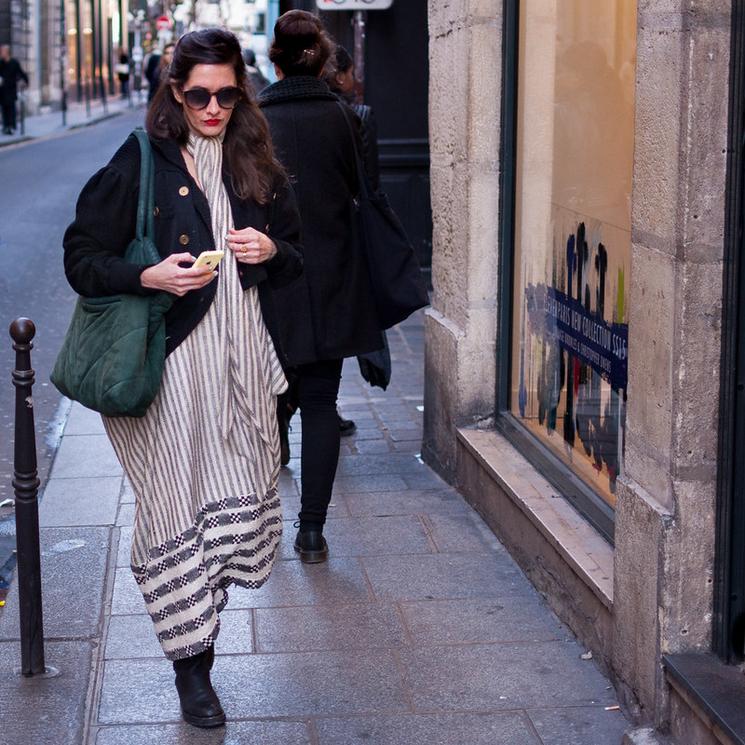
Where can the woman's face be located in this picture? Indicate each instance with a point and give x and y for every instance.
(212, 119)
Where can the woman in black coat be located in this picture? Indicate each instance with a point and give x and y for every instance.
(204, 460)
(327, 315)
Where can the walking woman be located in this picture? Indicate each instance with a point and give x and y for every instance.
(204, 460)
(332, 305)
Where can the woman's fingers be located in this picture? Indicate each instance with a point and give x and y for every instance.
(181, 258)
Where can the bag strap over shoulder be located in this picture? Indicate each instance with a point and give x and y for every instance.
(364, 187)
(146, 200)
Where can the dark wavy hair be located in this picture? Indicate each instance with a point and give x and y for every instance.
(247, 148)
(301, 45)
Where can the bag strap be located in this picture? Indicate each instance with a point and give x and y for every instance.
(364, 187)
(146, 201)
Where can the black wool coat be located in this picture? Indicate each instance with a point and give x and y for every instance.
(105, 223)
(333, 301)
(11, 72)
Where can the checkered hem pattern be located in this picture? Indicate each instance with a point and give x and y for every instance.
(184, 582)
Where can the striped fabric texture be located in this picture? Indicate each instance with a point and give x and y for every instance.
(204, 461)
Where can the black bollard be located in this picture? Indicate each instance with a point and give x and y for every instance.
(26, 487)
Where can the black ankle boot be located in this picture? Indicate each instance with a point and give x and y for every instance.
(312, 546)
(200, 705)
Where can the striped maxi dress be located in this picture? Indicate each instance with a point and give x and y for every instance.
(204, 461)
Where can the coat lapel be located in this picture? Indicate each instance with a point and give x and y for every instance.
(171, 151)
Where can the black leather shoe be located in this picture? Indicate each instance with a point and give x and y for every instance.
(200, 705)
(312, 546)
(346, 426)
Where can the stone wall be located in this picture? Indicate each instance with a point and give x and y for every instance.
(464, 116)
(665, 526)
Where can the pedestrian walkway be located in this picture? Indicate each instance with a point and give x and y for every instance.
(78, 115)
(419, 629)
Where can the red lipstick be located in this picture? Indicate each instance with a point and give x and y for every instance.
(212, 122)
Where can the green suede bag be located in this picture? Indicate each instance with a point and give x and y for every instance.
(113, 355)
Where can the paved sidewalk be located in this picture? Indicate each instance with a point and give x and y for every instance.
(420, 628)
(49, 124)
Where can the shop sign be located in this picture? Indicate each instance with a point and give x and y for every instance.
(559, 318)
(354, 4)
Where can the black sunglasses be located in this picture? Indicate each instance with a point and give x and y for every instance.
(199, 98)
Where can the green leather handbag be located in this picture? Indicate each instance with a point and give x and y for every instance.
(113, 355)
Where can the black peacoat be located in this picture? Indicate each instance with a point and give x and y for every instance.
(333, 299)
(105, 223)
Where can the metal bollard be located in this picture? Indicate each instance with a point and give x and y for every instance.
(26, 487)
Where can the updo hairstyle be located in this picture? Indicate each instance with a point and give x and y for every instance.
(301, 45)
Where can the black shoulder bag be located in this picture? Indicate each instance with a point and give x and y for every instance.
(397, 284)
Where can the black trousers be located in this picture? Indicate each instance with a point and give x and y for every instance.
(9, 113)
(314, 389)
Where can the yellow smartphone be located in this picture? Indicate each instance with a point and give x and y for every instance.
(209, 259)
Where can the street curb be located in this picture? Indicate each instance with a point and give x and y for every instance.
(17, 141)
(96, 120)
(69, 128)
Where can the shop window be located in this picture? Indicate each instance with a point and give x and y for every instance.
(572, 160)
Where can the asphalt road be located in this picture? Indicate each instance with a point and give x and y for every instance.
(39, 184)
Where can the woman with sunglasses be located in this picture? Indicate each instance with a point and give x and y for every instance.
(204, 461)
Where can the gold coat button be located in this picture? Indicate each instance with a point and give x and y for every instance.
(183, 239)
(156, 211)
(184, 191)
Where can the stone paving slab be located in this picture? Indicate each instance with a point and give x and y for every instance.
(82, 456)
(132, 636)
(457, 533)
(235, 733)
(514, 616)
(127, 599)
(579, 726)
(439, 576)
(368, 536)
(487, 679)
(73, 562)
(406, 502)
(333, 628)
(44, 711)
(250, 686)
(338, 581)
(89, 501)
(419, 729)
(82, 421)
(124, 547)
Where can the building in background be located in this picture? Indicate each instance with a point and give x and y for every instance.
(35, 31)
(64, 44)
(585, 356)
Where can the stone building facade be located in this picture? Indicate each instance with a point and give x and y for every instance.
(583, 416)
(35, 32)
